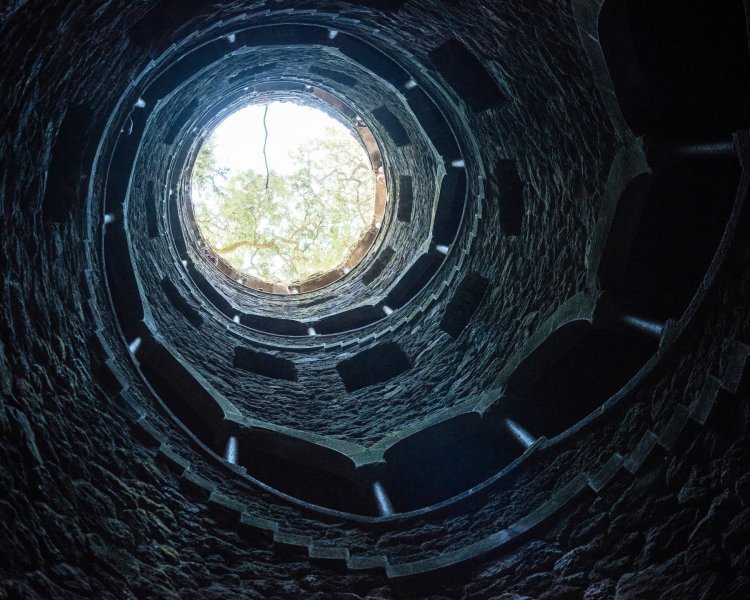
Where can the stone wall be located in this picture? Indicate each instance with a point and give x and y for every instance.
(97, 504)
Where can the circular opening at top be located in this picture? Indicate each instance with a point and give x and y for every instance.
(286, 198)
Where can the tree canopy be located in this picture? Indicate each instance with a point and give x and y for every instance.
(287, 228)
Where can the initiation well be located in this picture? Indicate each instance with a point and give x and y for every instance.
(533, 382)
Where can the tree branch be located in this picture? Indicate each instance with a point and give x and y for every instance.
(243, 244)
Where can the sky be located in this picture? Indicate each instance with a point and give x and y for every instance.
(239, 138)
